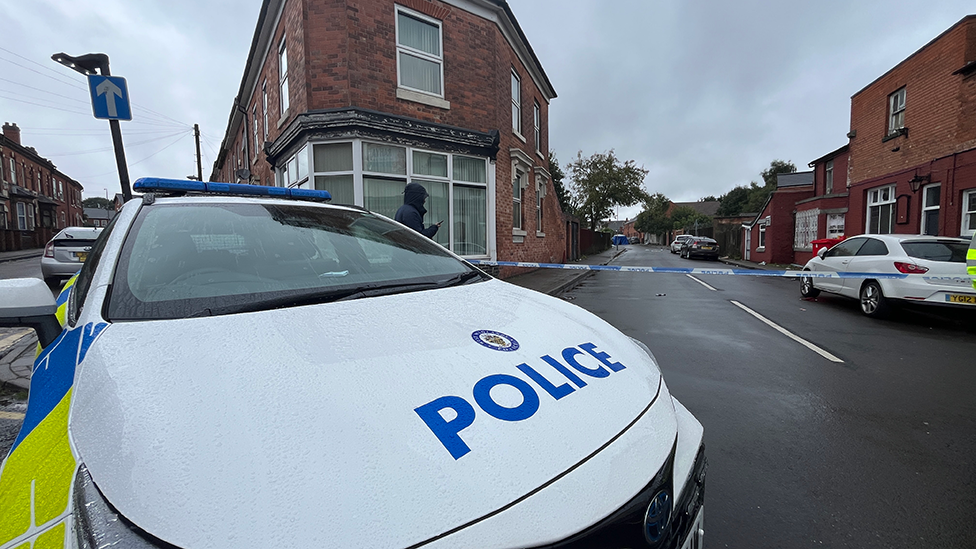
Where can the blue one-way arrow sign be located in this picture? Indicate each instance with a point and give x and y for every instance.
(110, 97)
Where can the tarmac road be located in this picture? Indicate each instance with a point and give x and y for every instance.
(872, 451)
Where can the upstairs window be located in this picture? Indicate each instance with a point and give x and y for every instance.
(829, 177)
(282, 79)
(420, 61)
(896, 111)
(537, 126)
(516, 103)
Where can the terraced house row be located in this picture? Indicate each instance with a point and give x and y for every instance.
(909, 166)
(36, 200)
(361, 97)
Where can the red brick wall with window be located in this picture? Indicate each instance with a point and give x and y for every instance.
(936, 105)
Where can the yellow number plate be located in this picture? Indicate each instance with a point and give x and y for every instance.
(81, 256)
(956, 298)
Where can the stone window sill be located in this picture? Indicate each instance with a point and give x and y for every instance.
(417, 97)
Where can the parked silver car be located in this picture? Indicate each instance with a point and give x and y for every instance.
(66, 252)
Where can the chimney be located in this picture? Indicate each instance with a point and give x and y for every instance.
(11, 132)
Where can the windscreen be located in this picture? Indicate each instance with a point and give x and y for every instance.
(951, 251)
(182, 260)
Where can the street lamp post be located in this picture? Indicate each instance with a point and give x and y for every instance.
(97, 63)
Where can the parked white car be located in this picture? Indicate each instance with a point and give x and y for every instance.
(932, 270)
(679, 241)
(233, 368)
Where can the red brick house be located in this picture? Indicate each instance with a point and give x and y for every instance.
(36, 200)
(770, 236)
(360, 97)
(913, 142)
(909, 166)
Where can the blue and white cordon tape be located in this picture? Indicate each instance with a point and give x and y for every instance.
(686, 270)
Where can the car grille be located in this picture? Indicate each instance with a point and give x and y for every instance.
(627, 526)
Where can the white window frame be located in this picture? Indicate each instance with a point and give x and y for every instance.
(879, 197)
(925, 191)
(833, 224)
(540, 193)
(518, 178)
(829, 177)
(761, 244)
(805, 229)
(283, 99)
(13, 171)
(21, 216)
(896, 111)
(968, 215)
(517, 104)
(254, 124)
(438, 59)
(264, 106)
(537, 125)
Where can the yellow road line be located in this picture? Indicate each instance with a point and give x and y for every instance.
(12, 415)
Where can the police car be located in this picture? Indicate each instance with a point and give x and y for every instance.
(242, 366)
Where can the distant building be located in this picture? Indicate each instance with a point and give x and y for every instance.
(98, 217)
(360, 97)
(36, 200)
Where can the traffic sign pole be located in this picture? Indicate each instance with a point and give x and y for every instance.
(97, 63)
(119, 149)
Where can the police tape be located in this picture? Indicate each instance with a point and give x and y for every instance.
(698, 271)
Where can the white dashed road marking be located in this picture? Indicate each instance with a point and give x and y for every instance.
(703, 283)
(789, 334)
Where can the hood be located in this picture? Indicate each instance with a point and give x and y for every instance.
(312, 426)
(414, 194)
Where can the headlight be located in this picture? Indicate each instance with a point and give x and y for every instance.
(98, 525)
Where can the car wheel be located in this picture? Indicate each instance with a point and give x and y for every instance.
(806, 287)
(53, 282)
(873, 301)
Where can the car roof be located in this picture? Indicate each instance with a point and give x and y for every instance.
(911, 237)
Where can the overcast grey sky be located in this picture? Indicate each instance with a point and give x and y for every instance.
(703, 94)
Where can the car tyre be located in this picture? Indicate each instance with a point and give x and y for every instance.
(53, 282)
(873, 302)
(806, 287)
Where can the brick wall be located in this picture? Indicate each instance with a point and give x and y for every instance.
(342, 53)
(936, 103)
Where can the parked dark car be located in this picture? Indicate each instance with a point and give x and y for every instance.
(700, 246)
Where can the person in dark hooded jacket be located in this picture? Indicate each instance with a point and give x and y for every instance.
(412, 212)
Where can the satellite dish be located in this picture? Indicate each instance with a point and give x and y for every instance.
(243, 173)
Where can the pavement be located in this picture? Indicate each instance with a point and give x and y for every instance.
(20, 254)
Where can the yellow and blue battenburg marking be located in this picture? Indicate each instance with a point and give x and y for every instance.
(971, 260)
(36, 477)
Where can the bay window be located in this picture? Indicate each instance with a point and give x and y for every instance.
(374, 175)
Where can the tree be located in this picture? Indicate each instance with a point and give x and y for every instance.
(98, 202)
(654, 219)
(558, 175)
(733, 202)
(708, 198)
(685, 218)
(601, 182)
(750, 199)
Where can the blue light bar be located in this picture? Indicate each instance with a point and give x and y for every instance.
(158, 184)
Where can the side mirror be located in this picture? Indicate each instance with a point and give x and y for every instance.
(821, 252)
(27, 302)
